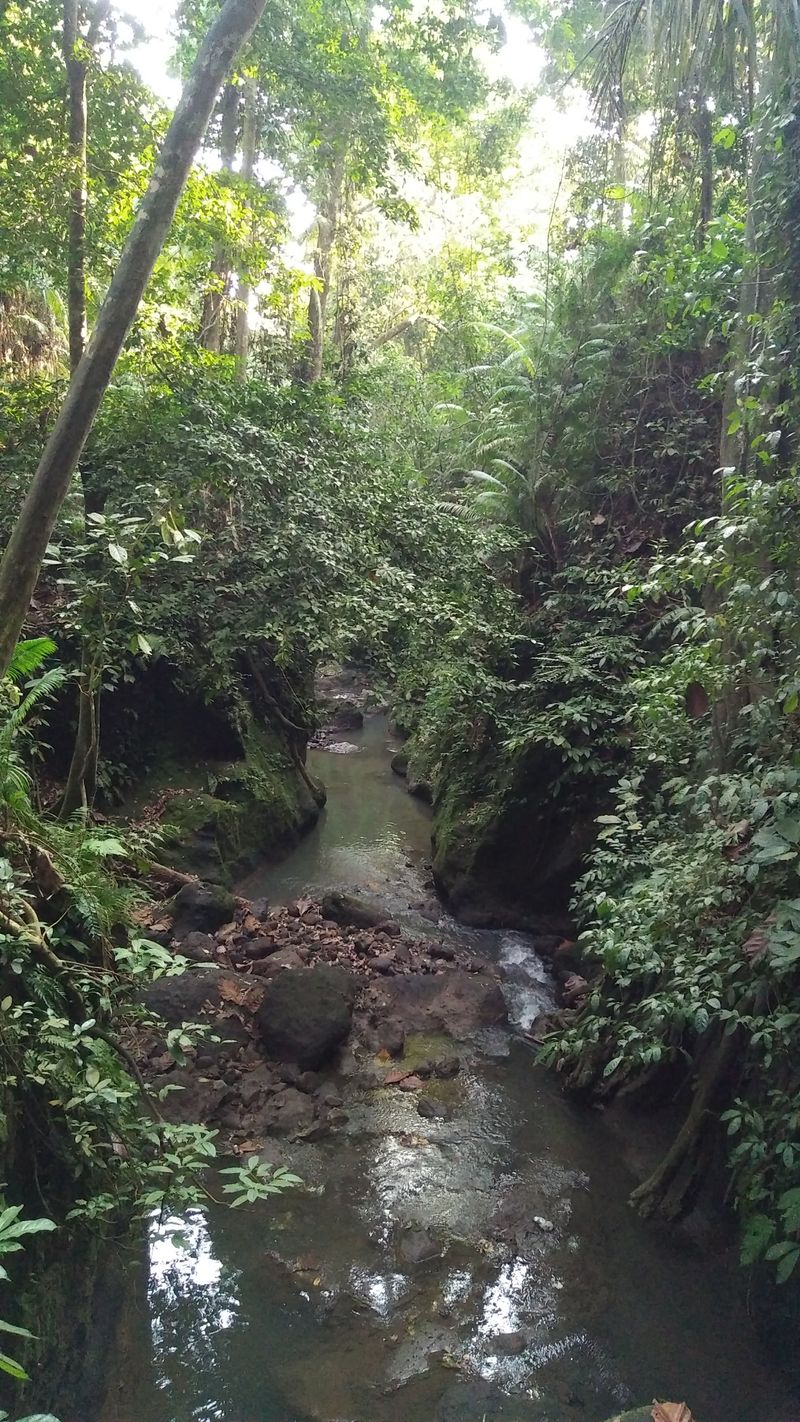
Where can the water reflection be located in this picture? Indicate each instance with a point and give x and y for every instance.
(390, 1296)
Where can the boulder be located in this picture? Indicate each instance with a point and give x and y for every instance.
(201, 908)
(451, 1001)
(420, 789)
(306, 1015)
(352, 912)
(346, 716)
(399, 764)
(186, 997)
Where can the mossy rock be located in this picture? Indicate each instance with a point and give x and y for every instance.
(254, 808)
(510, 856)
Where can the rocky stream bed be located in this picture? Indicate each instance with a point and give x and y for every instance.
(461, 1248)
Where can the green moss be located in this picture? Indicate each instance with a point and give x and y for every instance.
(252, 809)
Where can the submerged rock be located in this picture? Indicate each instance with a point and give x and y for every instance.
(306, 1014)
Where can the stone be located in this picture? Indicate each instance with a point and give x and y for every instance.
(399, 764)
(351, 911)
(450, 1001)
(279, 961)
(254, 1085)
(196, 1103)
(346, 717)
(232, 1034)
(420, 789)
(431, 1110)
(383, 963)
(306, 1015)
(287, 1113)
(447, 1067)
(392, 1038)
(417, 1246)
(259, 908)
(329, 1094)
(198, 947)
(201, 908)
(445, 951)
(186, 997)
(260, 947)
(511, 1343)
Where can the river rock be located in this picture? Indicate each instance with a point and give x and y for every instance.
(399, 764)
(306, 1014)
(510, 1343)
(232, 1035)
(351, 911)
(198, 947)
(420, 789)
(392, 1038)
(201, 908)
(197, 1099)
(282, 960)
(346, 716)
(286, 1113)
(451, 1001)
(417, 1246)
(186, 997)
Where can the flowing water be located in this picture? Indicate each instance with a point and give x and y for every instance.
(484, 1265)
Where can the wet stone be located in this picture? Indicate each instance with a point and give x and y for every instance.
(417, 1246)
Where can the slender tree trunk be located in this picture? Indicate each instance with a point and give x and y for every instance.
(214, 302)
(241, 337)
(705, 149)
(75, 60)
(328, 221)
(23, 556)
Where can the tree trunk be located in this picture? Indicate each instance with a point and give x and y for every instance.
(214, 301)
(311, 368)
(241, 338)
(705, 149)
(76, 63)
(81, 786)
(22, 559)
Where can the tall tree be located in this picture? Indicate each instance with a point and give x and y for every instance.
(22, 560)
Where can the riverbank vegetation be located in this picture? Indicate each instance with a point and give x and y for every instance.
(537, 472)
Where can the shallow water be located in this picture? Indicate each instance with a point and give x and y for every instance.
(312, 1308)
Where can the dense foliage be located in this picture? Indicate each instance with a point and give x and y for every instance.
(543, 483)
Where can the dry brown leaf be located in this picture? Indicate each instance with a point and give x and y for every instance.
(232, 991)
(671, 1412)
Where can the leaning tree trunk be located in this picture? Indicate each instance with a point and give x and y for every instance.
(23, 556)
(241, 337)
(214, 301)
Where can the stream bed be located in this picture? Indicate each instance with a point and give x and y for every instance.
(480, 1265)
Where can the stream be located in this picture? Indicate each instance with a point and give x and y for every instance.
(482, 1265)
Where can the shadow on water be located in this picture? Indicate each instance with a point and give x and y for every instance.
(480, 1265)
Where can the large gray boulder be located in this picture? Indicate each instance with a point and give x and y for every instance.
(306, 1015)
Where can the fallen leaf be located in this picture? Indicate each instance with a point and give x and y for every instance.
(394, 1078)
(410, 1083)
(232, 991)
(671, 1412)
